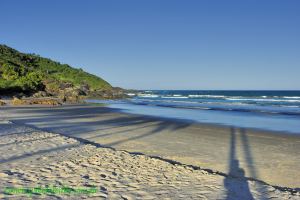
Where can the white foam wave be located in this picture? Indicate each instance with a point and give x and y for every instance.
(148, 95)
(177, 95)
(174, 101)
(291, 106)
(275, 100)
(296, 97)
(205, 96)
(174, 97)
(131, 94)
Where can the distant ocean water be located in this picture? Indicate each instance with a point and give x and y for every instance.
(269, 110)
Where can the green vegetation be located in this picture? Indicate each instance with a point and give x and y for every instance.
(20, 72)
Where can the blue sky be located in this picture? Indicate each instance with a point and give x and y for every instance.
(164, 44)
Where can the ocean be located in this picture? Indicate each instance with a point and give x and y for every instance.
(267, 110)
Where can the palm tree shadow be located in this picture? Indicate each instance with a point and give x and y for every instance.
(236, 188)
(163, 125)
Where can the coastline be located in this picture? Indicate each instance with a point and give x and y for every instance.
(263, 155)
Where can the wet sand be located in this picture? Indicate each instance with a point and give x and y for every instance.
(271, 157)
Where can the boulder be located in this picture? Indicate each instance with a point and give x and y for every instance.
(45, 101)
(16, 101)
(65, 85)
(32, 101)
(40, 94)
(112, 93)
(71, 95)
(85, 88)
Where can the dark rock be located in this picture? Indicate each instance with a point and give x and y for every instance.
(65, 85)
(85, 88)
(113, 93)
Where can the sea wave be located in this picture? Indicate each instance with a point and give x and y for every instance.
(233, 101)
(220, 97)
(286, 97)
(235, 109)
(205, 96)
(174, 97)
(275, 100)
(148, 95)
(224, 106)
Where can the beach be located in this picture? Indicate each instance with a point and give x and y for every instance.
(144, 157)
(140, 100)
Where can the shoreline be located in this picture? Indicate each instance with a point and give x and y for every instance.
(54, 101)
(168, 119)
(277, 122)
(173, 140)
(213, 125)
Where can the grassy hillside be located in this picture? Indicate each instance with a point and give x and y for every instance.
(20, 72)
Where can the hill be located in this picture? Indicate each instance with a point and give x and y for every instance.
(31, 73)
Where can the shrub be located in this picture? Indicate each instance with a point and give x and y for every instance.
(32, 81)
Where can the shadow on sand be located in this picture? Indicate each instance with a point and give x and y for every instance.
(88, 123)
(241, 189)
(85, 131)
(234, 191)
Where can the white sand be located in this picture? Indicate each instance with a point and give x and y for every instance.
(31, 158)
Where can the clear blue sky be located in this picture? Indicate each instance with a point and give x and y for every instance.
(164, 44)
